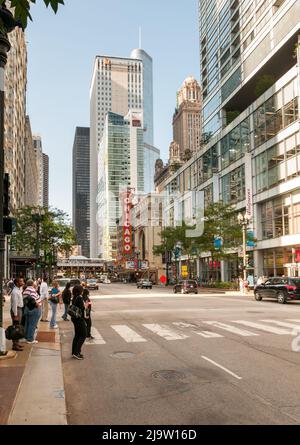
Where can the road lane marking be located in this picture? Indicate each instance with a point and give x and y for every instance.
(263, 327)
(209, 334)
(222, 367)
(98, 338)
(232, 329)
(165, 332)
(283, 324)
(205, 334)
(128, 334)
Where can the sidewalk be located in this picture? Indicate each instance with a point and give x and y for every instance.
(31, 384)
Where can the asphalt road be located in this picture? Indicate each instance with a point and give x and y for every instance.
(184, 360)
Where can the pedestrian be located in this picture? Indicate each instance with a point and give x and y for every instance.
(66, 297)
(241, 283)
(16, 308)
(79, 323)
(260, 280)
(88, 310)
(32, 312)
(44, 297)
(54, 299)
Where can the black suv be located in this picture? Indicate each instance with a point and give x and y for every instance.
(186, 287)
(281, 288)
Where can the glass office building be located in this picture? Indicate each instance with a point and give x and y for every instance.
(120, 165)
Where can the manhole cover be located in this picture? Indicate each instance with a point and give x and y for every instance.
(168, 375)
(123, 354)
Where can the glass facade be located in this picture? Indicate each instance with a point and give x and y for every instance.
(233, 186)
(280, 217)
(219, 53)
(235, 144)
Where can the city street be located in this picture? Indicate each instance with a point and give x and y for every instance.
(160, 358)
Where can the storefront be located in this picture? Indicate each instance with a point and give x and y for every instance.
(281, 261)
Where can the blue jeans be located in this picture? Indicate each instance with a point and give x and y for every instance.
(53, 318)
(31, 322)
(65, 316)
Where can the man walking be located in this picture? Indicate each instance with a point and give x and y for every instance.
(16, 308)
(44, 297)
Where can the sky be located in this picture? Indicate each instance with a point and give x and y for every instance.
(61, 52)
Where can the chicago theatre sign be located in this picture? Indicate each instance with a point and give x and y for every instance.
(127, 226)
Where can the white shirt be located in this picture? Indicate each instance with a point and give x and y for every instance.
(44, 290)
(16, 300)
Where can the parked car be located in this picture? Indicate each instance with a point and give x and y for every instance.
(62, 282)
(106, 281)
(186, 287)
(92, 284)
(280, 288)
(144, 284)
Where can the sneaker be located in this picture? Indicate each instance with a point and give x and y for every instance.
(78, 357)
(54, 327)
(81, 356)
(45, 321)
(90, 338)
(22, 340)
(34, 342)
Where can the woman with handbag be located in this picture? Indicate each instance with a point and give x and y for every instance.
(32, 312)
(78, 321)
(54, 299)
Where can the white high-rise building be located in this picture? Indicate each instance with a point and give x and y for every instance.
(118, 86)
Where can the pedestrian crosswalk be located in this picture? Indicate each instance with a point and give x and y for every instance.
(207, 329)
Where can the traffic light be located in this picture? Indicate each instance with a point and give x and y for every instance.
(6, 197)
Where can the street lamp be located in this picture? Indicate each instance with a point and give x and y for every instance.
(244, 220)
(8, 23)
(37, 216)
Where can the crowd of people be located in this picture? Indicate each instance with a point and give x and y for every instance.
(29, 304)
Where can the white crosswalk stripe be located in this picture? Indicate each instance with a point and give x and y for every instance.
(98, 340)
(205, 334)
(165, 332)
(128, 334)
(283, 324)
(232, 329)
(263, 327)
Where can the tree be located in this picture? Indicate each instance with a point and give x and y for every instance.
(21, 9)
(220, 221)
(56, 233)
(263, 83)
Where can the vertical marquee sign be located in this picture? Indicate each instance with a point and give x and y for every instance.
(127, 227)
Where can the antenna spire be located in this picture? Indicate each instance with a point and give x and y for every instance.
(140, 37)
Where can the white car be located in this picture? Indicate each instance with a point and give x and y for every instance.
(106, 281)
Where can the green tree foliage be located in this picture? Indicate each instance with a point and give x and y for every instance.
(263, 84)
(56, 232)
(21, 8)
(220, 220)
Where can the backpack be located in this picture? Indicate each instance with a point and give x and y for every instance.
(29, 302)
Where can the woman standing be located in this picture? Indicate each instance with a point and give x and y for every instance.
(55, 296)
(79, 323)
(32, 311)
(66, 297)
(88, 310)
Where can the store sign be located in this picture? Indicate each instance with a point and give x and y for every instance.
(127, 227)
(184, 271)
(248, 182)
(130, 265)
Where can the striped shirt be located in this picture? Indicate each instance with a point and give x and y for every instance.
(31, 292)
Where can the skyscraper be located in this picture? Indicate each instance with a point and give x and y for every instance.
(81, 188)
(187, 118)
(45, 180)
(240, 42)
(118, 85)
(121, 165)
(32, 171)
(37, 143)
(15, 117)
